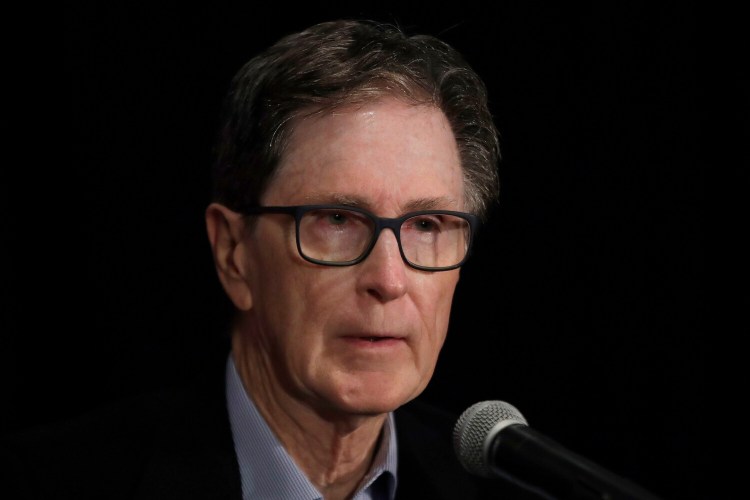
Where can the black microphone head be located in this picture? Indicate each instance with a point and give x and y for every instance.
(475, 430)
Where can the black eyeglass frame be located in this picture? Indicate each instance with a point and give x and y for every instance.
(380, 223)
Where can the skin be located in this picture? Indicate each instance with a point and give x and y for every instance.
(302, 337)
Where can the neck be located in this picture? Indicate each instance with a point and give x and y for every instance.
(335, 450)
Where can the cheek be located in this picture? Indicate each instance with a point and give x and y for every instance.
(436, 298)
(441, 294)
(277, 297)
(272, 262)
(296, 300)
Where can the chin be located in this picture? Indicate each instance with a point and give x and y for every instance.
(380, 398)
(370, 408)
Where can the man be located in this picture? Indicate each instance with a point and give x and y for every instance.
(353, 166)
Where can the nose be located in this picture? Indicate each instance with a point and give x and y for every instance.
(383, 274)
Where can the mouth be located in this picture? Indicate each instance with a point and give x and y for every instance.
(373, 340)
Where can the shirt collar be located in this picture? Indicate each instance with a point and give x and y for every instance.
(267, 470)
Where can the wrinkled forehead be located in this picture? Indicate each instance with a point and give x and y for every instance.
(386, 150)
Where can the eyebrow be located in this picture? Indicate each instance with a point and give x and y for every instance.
(440, 202)
(436, 203)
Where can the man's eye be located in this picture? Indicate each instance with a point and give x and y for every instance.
(337, 218)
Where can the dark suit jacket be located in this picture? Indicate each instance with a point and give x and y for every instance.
(178, 445)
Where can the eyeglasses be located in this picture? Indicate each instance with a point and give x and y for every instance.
(335, 235)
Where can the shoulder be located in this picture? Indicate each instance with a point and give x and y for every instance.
(80, 455)
(133, 448)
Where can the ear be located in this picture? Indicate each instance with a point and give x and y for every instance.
(225, 230)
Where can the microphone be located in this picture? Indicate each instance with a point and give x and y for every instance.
(493, 439)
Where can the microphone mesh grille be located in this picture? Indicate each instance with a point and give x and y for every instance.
(472, 429)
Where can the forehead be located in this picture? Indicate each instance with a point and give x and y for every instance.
(387, 155)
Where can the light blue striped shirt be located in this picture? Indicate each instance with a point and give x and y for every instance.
(268, 472)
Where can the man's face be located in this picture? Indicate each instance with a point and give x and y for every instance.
(316, 323)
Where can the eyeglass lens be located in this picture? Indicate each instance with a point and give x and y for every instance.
(336, 235)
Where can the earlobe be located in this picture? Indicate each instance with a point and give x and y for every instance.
(225, 234)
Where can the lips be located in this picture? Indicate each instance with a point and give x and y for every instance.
(375, 339)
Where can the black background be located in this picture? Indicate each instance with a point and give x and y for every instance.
(582, 304)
